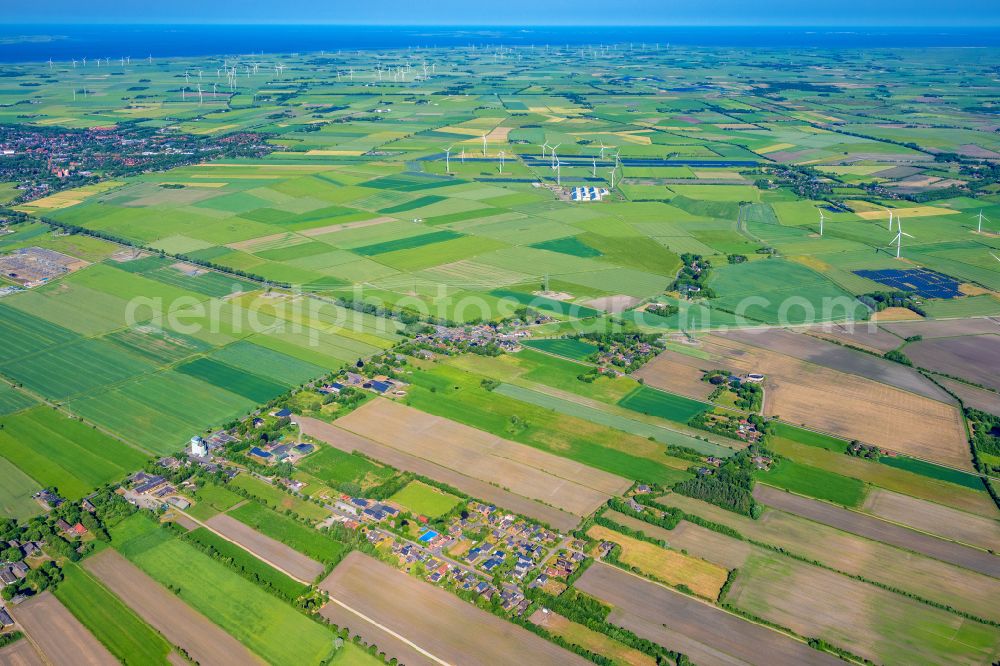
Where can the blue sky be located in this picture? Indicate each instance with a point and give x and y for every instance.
(516, 12)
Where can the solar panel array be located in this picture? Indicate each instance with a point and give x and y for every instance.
(921, 281)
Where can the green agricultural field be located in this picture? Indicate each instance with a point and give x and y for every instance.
(306, 540)
(250, 386)
(257, 619)
(334, 467)
(56, 451)
(654, 402)
(458, 395)
(278, 499)
(113, 623)
(162, 411)
(16, 492)
(211, 499)
(250, 564)
(421, 499)
(816, 482)
(605, 416)
(577, 350)
(13, 400)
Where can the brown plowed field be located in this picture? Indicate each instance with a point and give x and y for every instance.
(59, 635)
(438, 621)
(677, 373)
(526, 471)
(943, 328)
(713, 635)
(934, 518)
(879, 530)
(857, 556)
(849, 405)
(349, 442)
(20, 653)
(179, 623)
(274, 552)
(838, 358)
(975, 357)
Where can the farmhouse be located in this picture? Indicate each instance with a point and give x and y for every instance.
(588, 193)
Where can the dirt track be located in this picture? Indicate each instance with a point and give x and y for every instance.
(879, 530)
(392, 646)
(349, 442)
(710, 635)
(179, 623)
(276, 553)
(438, 621)
(60, 636)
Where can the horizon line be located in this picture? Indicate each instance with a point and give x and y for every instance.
(602, 25)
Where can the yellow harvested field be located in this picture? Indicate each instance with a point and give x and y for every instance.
(69, 198)
(589, 639)
(850, 406)
(700, 576)
(524, 470)
(694, 539)
(934, 518)
(916, 211)
(498, 135)
(214, 129)
(896, 314)
(812, 262)
(773, 148)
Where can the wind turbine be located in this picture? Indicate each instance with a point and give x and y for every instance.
(199, 95)
(890, 219)
(822, 218)
(501, 161)
(613, 169)
(544, 146)
(898, 240)
(603, 148)
(50, 63)
(981, 218)
(484, 144)
(558, 169)
(595, 168)
(84, 62)
(463, 155)
(447, 157)
(552, 153)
